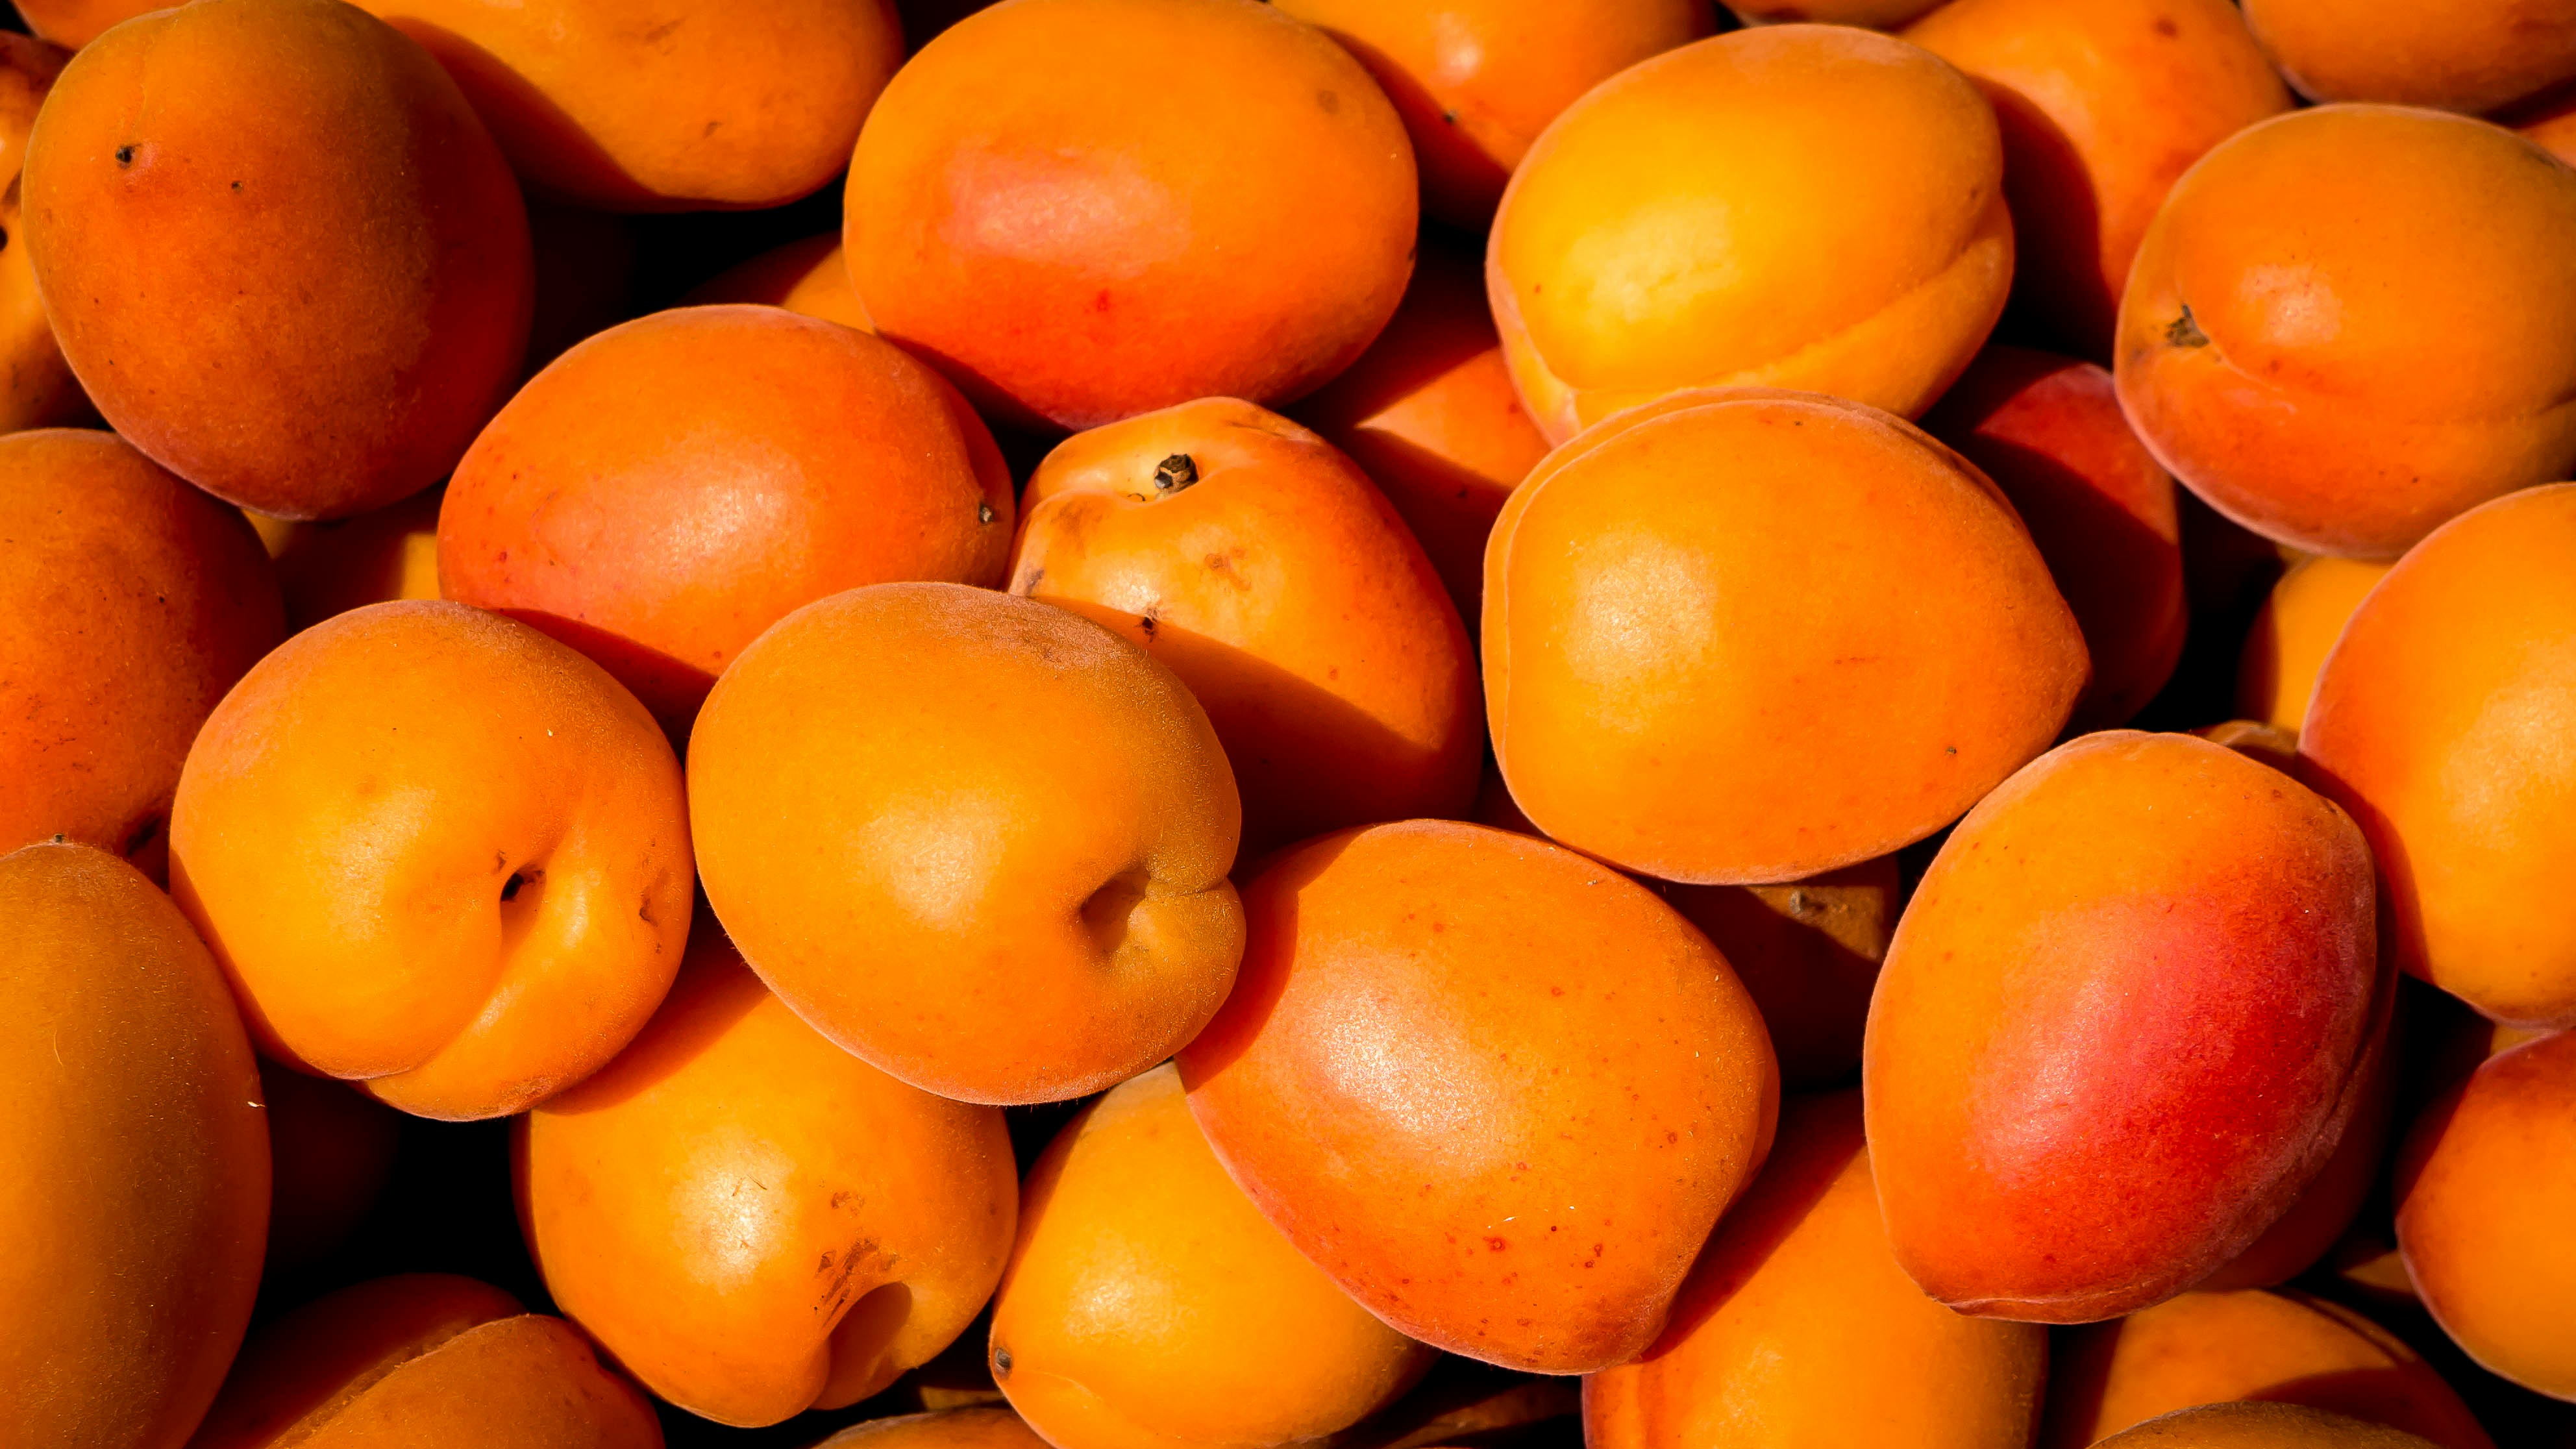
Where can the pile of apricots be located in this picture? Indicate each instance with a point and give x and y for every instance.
(1355, 724)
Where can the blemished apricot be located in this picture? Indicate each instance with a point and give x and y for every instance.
(2467, 55)
(1498, 1091)
(977, 840)
(2216, 1348)
(424, 1359)
(675, 485)
(1428, 412)
(129, 602)
(1872, 14)
(2260, 1426)
(1808, 953)
(585, 278)
(1803, 206)
(2276, 675)
(134, 1179)
(1082, 210)
(2103, 106)
(438, 854)
(1149, 1305)
(1746, 636)
(331, 1151)
(706, 106)
(2120, 1028)
(326, 569)
(37, 389)
(2482, 1193)
(975, 1428)
(883, 1213)
(2441, 721)
(1266, 570)
(1797, 1327)
(1476, 81)
(279, 251)
(2048, 431)
(2417, 358)
(807, 277)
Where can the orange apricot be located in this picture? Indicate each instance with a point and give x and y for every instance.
(1805, 206)
(331, 1151)
(1747, 636)
(807, 277)
(2310, 1227)
(977, 840)
(134, 1183)
(1476, 81)
(1498, 1091)
(438, 854)
(1149, 1305)
(1082, 210)
(1258, 563)
(2120, 1029)
(75, 23)
(129, 602)
(2482, 1192)
(2464, 55)
(1808, 953)
(967, 1428)
(279, 251)
(675, 485)
(2260, 1426)
(2255, 740)
(37, 389)
(1798, 1327)
(326, 569)
(2103, 106)
(753, 1221)
(2276, 675)
(2351, 323)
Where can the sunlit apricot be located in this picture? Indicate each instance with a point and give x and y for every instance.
(2276, 675)
(807, 277)
(2464, 55)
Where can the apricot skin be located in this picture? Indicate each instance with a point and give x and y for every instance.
(2184, 940)
(304, 281)
(134, 1180)
(326, 569)
(2276, 675)
(37, 389)
(2260, 1426)
(2467, 55)
(1432, 1077)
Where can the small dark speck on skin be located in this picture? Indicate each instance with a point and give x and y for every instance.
(984, 512)
(1001, 1362)
(1449, 118)
(2165, 27)
(1949, 749)
(124, 155)
(1330, 102)
(236, 186)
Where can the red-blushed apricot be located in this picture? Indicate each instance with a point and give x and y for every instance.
(424, 1359)
(1263, 567)
(438, 854)
(1745, 636)
(2465, 55)
(330, 1151)
(753, 1221)
(690, 107)
(1797, 1326)
(2260, 1426)
(134, 1176)
(2048, 431)
(1087, 209)
(1476, 81)
(2103, 106)
(2442, 721)
(2482, 1192)
(279, 251)
(2276, 675)
(970, 1428)
(2351, 323)
(1498, 1091)
(1149, 1305)
(1873, 14)
(2216, 1348)
(1428, 412)
(585, 263)
(2120, 1027)
(326, 569)
(670, 488)
(2310, 1227)
(1806, 206)
(37, 389)
(129, 602)
(807, 277)
(977, 840)
(1808, 953)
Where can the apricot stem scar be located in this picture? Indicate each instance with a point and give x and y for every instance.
(2184, 332)
(1175, 473)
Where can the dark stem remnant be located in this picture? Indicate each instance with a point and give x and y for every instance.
(2185, 332)
(518, 879)
(1001, 1362)
(984, 512)
(1175, 473)
(125, 155)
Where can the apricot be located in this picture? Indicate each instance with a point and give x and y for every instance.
(2048, 431)
(1254, 559)
(1873, 14)
(424, 1359)
(1797, 1326)
(807, 277)
(1476, 81)
(75, 23)
(2304, 1233)
(1808, 953)
(438, 854)
(326, 569)
(279, 251)
(136, 1181)
(2260, 1426)
(1082, 210)
(1804, 206)
(331, 1151)
(1148, 1304)
(1498, 1091)
(2255, 740)
(2417, 358)
(1428, 412)
(670, 488)
(2439, 722)
(2120, 1028)
(2276, 675)
(129, 602)
(37, 389)
(1748, 636)
(2482, 1193)
(2214, 1348)
(972, 1428)
(2103, 107)
(979, 841)
(753, 1221)
(2466, 55)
